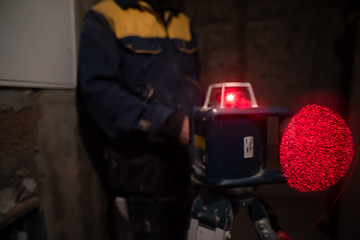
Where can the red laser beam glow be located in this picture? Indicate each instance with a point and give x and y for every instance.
(230, 97)
(236, 99)
(316, 149)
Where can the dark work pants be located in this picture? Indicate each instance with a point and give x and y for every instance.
(156, 186)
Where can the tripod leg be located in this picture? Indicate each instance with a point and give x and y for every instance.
(262, 224)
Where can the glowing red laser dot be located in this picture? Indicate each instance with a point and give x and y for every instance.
(236, 99)
(316, 149)
(230, 97)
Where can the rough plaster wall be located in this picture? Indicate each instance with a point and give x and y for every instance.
(220, 28)
(39, 141)
(71, 199)
(350, 211)
(18, 137)
(291, 51)
(281, 47)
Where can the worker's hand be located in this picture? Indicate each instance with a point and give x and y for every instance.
(184, 133)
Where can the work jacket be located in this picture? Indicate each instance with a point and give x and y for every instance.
(137, 67)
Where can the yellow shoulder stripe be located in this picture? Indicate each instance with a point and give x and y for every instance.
(179, 27)
(132, 22)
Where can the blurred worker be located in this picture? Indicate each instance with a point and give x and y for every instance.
(138, 79)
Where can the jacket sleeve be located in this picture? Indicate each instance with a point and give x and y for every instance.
(116, 110)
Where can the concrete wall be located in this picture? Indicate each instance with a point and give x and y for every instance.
(41, 155)
(286, 49)
(40, 142)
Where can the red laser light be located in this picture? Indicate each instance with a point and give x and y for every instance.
(236, 99)
(316, 149)
(230, 97)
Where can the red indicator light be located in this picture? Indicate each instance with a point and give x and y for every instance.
(236, 100)
(230, 97)
(316, 149)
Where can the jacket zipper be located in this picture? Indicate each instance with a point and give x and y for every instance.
(160, 19)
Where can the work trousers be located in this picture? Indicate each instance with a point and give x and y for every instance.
(154, 186)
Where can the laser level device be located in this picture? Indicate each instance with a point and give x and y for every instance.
(228, 140)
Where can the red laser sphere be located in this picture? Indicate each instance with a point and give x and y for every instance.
(316, 149)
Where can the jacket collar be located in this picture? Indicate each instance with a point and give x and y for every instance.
(128, 3)
(139, 3)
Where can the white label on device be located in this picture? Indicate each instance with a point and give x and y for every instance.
(248, 147)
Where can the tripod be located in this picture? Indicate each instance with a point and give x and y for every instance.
(212, 216)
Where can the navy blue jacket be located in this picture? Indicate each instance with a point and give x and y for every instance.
(136, 68)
